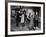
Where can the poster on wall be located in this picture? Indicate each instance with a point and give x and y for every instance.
(25, 18)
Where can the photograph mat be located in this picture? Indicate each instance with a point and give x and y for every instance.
(23, 32)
